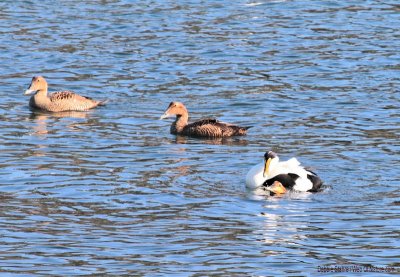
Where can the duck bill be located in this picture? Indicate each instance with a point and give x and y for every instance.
(165, 115)
(29, 91)
(277, 188)
(266, 167)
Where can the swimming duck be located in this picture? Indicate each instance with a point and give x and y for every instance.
(57, 101)
(209, 127)
(290, 174)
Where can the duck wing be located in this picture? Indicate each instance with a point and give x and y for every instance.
(202, 122)
(70, 101)
(211, 127)
(287, 180)
(67, 95)
(290, 166)
(293, 181)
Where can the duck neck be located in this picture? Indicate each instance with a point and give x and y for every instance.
(273, 166)
(40, 98)
(41, 93)
(180, 122)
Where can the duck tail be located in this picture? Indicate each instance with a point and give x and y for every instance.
(316, 181)
(103, 102)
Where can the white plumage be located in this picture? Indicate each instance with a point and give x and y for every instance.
(272, 167)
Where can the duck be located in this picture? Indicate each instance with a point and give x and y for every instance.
(290, 174)
(59, 101)
(209, 127)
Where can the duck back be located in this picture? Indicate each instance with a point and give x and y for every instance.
(211, 127)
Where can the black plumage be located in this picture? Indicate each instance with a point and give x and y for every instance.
(289, 181)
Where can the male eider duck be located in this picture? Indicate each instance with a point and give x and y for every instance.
(59, 101)
(278, 177)
(203, 128)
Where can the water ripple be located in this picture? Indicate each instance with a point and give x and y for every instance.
(110, 191)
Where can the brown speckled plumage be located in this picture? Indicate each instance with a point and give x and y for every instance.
(58, 101)
(203, 128)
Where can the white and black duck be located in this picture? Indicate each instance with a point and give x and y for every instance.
(290, 174)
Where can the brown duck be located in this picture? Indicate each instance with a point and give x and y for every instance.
(57, 101)
(203, 128)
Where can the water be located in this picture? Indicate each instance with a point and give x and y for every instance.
(111, 192)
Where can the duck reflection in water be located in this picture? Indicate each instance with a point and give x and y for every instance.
(42, 119)
(232, 141)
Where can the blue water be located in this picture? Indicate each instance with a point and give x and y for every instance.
(111, 192)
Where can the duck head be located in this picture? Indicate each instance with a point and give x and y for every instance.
(174, 108)
(270, 160)
(38, 83)
(276, 188)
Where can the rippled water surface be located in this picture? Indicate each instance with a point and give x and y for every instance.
(110, 191)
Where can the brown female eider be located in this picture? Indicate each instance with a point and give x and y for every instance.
(57, 101)
(203, 128)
